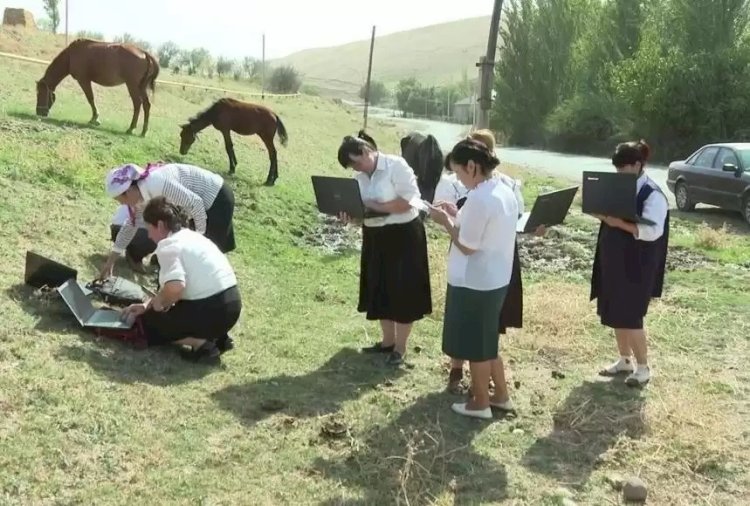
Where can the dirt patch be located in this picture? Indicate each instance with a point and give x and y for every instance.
(331, 236)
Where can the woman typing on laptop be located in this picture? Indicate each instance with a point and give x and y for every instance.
(629, 266)
(394, 278)
(198, 301)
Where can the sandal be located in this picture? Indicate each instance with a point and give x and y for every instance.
(225, 343)
(378, 348)
(207, 353)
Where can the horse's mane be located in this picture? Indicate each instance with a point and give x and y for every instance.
(201, 116)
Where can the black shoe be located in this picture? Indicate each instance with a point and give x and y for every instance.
(394, 358)
(225, 344)
(154, 260)
(208, 353)
(378, 348)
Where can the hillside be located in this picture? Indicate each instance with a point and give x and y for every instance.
(434, 54)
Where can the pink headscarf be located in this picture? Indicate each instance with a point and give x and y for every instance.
(121, 178)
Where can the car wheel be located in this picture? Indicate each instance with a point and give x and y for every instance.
(682, 198)
(746, 209)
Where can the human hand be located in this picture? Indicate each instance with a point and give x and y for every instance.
(107, 269)
(132, 312)
(448, 207)
(439, 216)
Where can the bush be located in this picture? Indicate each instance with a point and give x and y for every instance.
(285, 80)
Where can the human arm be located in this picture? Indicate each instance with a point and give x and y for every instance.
(179, 195)
(404, 184)
(172, 277)
(655, 209)
(124, 237)
(467, 237)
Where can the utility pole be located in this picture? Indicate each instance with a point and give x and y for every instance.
(369, 74)
(66, 22)
(487, 70)
(263, 71)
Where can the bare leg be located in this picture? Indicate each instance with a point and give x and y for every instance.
(146, 111)
(637, 341)
(623, 342)
(402, 336)
(497, 371)
(135, 96)
(230, 150)
(86, 87)
(389, 332)
(480, 379)
(457, 363)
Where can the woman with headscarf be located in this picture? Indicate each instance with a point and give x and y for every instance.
(204, 195)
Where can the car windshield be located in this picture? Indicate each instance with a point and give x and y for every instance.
(745, 156)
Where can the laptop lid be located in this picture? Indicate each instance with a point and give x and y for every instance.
(41, 271)
(549, 209)
(335, 195)
(77, 301)
(610, 194)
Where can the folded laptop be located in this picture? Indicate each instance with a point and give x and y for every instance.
(85, 312)
(41, 271)
(336, 195)
(549, 209)
(611, 194)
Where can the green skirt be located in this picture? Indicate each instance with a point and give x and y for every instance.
(470, 323)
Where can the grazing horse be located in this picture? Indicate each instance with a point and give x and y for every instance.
(228, 115)
(105, 64)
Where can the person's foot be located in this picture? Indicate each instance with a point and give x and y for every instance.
(465, 409)
(394, 358)
(506, 405)
(623, 366)
(207, 353)
(454, 380)
(378, 348)
(225, 344)
(640, 377)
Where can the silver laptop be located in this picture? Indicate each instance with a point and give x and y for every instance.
(85, 312)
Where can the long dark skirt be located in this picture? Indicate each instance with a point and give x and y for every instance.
(394, 279)
(139, 247)
(210, 318)
(219, 226)
(469, 325)
(511, 315)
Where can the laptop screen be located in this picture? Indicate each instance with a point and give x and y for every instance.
(42, 271)
(76, 300)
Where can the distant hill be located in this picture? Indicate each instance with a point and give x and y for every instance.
(433, 54)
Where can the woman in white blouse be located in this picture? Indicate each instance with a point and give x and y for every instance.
(204, 195)
(483, 235)
(394, 279)
(198, 302)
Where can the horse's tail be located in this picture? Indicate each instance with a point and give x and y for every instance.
(281, 129)
(152, 72)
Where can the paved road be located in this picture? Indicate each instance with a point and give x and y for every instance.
(554, 164)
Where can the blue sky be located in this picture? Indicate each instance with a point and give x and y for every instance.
(234, 27)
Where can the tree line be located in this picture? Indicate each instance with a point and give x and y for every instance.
(581, 75)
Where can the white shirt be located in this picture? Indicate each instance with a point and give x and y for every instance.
(191, 187)
(515, 185)
(449, 189)
(195, 260)
(122, 216)
(487, 224)
(654, 208)
(391, 179)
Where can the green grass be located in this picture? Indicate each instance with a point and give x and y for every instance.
(89, 421)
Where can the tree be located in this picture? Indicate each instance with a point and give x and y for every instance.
(52, 9)
(168, 53)
(404, 89)
(224, 66)
(378, 92)
(285, 80)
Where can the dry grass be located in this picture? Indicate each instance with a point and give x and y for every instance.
(711, 238)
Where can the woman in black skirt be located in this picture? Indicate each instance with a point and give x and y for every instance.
(394, 278)
(629, 266)
(198, 301)
(204, 195)
(479, 269)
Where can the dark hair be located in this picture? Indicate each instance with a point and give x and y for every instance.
(627, 153)
(354, 146)
(160, 209)
(478, 152)
(362, 135)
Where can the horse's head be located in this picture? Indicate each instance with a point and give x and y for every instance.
(430, 167)
(187, 138)
(45, 98)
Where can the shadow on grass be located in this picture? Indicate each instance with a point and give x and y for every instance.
(345, 376)
(422, 455)
(67, 123)
(594, 416)
(714, 218)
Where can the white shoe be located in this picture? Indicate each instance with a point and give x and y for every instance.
(460, 408)
(640, 377)
(623, 365)
(504, 406)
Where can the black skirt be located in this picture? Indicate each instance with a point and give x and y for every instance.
(219, 226)
(139, 247)
(210, 318)
(511, 315)
(394, 278)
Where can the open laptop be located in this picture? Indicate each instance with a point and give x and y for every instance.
(85, 312)
(611, 194)
(549, 209)
(336, 195)
(41, 271)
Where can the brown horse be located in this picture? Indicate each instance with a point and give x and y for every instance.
(105, 64)
(228, 115)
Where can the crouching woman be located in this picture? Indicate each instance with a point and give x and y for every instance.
(198, 302)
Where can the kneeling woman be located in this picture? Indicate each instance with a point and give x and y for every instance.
(198, 300)
(483, 235)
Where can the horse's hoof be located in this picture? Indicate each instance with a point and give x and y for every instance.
(129, 132)
(95, 122)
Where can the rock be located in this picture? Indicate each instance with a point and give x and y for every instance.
(635, 490)
(517, 384)
(558, 375)
(518, 432)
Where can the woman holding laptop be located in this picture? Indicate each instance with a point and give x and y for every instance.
(394, 278)
(629, 266)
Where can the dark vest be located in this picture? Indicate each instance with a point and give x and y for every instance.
(638, 265)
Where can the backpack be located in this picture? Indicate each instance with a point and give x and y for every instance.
(119, 291)
(134, 336)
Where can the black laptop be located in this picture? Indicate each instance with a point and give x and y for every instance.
(611, 194)
(336, 195)
(41, 271)
(549, 209)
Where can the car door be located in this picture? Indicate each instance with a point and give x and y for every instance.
(700, 187)
(725, 185)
